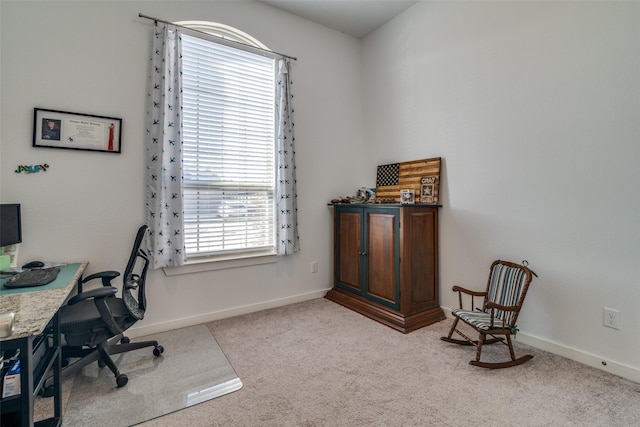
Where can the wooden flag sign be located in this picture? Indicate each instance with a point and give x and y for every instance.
(421, 176)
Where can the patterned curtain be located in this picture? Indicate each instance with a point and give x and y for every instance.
(286, 196)
(164, 150)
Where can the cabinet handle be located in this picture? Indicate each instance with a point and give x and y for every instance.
(362, 253)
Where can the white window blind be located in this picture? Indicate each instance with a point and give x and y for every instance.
(228, 154)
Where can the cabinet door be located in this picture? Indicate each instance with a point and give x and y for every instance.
(382, 256)
(348, 253)
(419, 259)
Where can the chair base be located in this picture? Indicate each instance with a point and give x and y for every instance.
(101, 354)
(500, 365)
(472, 342)
(482, 340)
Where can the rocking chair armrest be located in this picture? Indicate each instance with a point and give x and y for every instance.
(469, 291)
(460, 290)
(493, 305)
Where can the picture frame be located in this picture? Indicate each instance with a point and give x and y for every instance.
(407, 197)
(429, 189)
(75, 131)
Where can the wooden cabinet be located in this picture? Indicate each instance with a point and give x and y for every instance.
(386, 263)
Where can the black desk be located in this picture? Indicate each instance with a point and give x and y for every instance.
(34, 309)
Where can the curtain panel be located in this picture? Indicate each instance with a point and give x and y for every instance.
(286, 192)
(164, 150)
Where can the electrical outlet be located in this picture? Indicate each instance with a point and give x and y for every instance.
(314, 266)
(611, 318)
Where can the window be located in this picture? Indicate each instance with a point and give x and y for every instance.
(229, 149)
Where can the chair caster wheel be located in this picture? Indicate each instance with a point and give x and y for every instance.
(47, 391)
(122, 380)
(158, 350)
(101, 364)
(125, 340)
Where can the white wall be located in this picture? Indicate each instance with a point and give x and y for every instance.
(535, 109)
(91, 57)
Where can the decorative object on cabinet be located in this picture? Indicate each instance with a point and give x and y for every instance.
(421, 176)
(363, 195)
(62, 129)
(429, 189)
(386, 263)
(501, 303)
(407, 197)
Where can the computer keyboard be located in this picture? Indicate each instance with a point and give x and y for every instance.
(35, 277)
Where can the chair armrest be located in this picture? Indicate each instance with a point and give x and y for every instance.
(460, 290)
(99, 296)
(469, 291)
(493, 305)
(106, 276)
(93, 293)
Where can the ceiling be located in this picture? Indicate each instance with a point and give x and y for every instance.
(354, 17)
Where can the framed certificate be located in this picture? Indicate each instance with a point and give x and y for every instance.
(61, 129)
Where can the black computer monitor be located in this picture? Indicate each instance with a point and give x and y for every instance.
(10, 224)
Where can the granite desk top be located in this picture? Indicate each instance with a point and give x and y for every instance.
(35, 308)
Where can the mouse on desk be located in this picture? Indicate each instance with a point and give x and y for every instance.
(33, 264)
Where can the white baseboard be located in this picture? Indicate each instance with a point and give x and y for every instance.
(142, 330)
(595, 361)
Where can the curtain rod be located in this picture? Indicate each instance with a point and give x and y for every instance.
(156, 20)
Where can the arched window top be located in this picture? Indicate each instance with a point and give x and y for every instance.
(225, 31)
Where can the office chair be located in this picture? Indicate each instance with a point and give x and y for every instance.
(93, 321)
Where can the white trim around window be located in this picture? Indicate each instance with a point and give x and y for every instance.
(219, 263)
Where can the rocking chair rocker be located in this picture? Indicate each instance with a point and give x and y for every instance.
(506, 288)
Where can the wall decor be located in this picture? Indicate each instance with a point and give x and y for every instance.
(62, 129)
(31, 168)
(421, 176)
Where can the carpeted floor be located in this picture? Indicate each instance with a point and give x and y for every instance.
(318, 364)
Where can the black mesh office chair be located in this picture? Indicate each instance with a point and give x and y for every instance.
(93, 321)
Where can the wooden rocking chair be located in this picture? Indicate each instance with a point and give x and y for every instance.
(506, 288)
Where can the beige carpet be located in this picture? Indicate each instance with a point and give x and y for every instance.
(318, 364)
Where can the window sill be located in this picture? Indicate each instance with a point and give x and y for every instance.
(212, 264)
